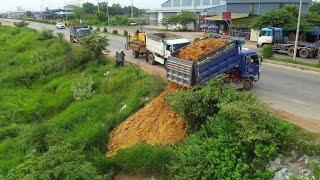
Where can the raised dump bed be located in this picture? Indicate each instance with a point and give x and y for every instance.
(240, 66)
(215, 62)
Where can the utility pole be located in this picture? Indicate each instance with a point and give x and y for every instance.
(195, 12)
(108, 16)
(297, 33)
(131, 9)
(98, 6)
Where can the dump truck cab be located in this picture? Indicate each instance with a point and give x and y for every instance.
(270, 35)
(249, 66)
(78, 32)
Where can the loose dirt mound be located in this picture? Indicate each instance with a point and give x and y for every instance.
(155, 124)
(201, 48)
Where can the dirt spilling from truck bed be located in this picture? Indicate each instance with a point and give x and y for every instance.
(198, 49)
(155, 124)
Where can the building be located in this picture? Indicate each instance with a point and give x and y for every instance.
(205, 8)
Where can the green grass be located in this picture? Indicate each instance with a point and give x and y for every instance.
(289, 60)
(38, 110)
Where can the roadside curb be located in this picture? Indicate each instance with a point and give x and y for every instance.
(297, 66)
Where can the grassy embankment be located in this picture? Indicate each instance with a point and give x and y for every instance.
(46, 133)
(57, 106)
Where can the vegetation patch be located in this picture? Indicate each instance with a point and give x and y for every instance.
(58, 104)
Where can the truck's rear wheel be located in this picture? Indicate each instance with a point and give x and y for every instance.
(290, 51)
(151, 59)
(247, 84)
(304, 53)
(136, 54)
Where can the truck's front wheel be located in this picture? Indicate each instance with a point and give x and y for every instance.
(304, 53)
(151, 59)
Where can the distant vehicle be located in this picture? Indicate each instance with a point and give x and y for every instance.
(239, 65)
(133, 24)
(78, 32)
(60, 26)
(280, 43)
(161, 45)
(156, 46)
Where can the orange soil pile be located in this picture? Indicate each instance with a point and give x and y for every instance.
(155, 124)
(201, 48)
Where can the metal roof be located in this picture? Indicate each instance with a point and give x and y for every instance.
(266, 1)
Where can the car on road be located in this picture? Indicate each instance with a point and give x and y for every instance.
(60, 26)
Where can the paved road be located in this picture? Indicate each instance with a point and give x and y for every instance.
(286, 89)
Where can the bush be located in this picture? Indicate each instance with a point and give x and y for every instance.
(237, 138)
(83, 89)
(195, 106)
(115, 32)
(95, 44)
(60, 37)
(46, 35)
(125, 33)
(267, 51)
(21, 24)
(60, 162)
(143, 159)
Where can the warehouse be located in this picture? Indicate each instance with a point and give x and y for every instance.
(205, 8)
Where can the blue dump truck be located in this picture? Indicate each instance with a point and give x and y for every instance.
(238, 66)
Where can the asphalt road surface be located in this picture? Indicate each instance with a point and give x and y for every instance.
(283, 88)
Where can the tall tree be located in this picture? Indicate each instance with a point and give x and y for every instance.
(286, 18)
(88, 8)
(315, 7)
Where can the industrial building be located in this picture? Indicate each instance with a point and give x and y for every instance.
(207, 8)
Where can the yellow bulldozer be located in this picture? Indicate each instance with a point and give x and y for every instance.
(137, 43)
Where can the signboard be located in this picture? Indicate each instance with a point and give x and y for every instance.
(226, 16)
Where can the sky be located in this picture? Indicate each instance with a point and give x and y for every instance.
(11, 5)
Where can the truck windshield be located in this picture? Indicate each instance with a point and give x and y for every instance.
(265, 33)
(176, 46)
(83, 33)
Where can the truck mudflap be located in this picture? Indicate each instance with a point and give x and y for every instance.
(180, 71)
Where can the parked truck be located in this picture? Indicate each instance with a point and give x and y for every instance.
(280, 43)
(240, 66)
(161, 45)
(78, 32)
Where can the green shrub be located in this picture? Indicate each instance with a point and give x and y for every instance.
(46, 35)
(60, 37)
(195, 106)
(143, 159)
(125, 33)
(267, 51)
(21, 24)
(237, 138)
(78, 57)
(60, 162)
(115, 32)
(83, 88)
(95, 44)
